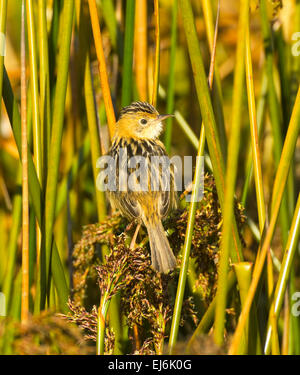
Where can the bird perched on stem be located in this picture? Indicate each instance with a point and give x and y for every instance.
(148, 193)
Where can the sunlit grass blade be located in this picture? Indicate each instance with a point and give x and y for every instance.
(102, 314)
(141, 48)
(277, 194)
(25, 194)
(102, 67)
(291, 247)
(37, 141)
(186, 248)
(94, 136)
(128, 54)
(171, 79)
(44, 82)
(34, 188)
(243, 272)
(56, 134)
(156, 54)
(254, 136)
(108, 11)
(274, 109)
(207, 114)
(3, 11)
(231, 173)
(273, 321)
(217, 96)
(261, 112)
(197, 185)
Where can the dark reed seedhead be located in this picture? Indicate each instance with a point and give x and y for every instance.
(87, 255)
(206, 236)
(147, 297)
(87, 321)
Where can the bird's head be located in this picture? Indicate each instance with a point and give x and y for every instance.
(140, 120)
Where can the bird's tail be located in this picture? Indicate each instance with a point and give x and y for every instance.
(163, 259)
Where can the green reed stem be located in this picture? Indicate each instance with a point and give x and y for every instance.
(12, 109)
(13, 243)
(94, 136)
(171, 81)
(254, 137)
(277, 194)
(3, 11)
(261, 106)
(15, 308)
(34, 189)
(44, 81)
(25, 191)
(102, 313)
(156, 54)
(37, 140)
(187, 244)
(285, 271)
(251, 325)
(56, 134)
(285, 85)
(94, 146)
(53, 41)
(250, 343)
(243, 272)
(231, 173)
(198, 180)
(217, 96)
(287, 151)
(207, 115)
(208, 318)
(128, 54)
(109, 16)
(274, 110)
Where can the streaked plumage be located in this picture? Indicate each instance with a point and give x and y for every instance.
(137, 130)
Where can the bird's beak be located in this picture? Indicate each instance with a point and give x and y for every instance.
(163, 117)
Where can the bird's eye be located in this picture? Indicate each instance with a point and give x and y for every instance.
(143, 121)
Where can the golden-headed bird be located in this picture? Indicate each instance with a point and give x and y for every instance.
(136, 135)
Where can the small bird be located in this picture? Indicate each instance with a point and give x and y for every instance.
(137, 131)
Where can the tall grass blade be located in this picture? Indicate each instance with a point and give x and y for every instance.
(56, 135)
(3, 11)
(34, 188)
(171, 81)
(141, 48)
(277, 194)
(128, 54)
(111, 120)
(231, 173)
(25, 195)
(207, 114)
(156, 54)
(198, 179)
(285, 271)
